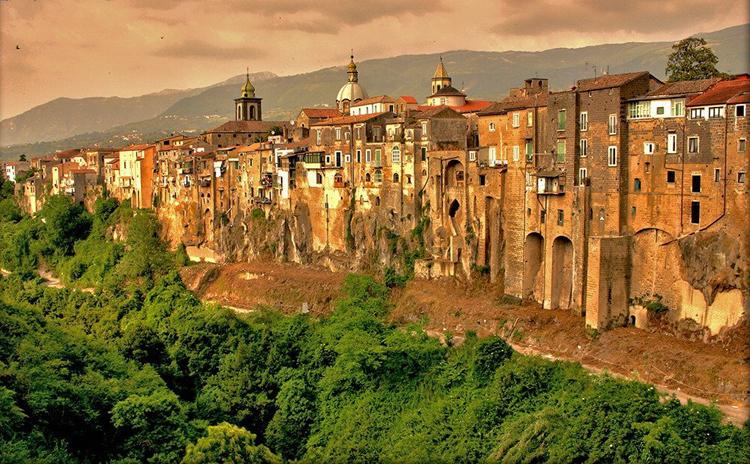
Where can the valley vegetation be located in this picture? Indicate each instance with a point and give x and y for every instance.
(139, 370)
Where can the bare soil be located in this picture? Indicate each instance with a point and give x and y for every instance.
(703, 372)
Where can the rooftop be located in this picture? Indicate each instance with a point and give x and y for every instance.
(723, 91)
(609, 81)
(350, 119)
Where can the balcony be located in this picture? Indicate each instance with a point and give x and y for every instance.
(550, 182)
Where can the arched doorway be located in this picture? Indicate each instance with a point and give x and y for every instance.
(533, 259)
(562, 273)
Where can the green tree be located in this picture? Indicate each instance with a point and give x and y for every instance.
(65, 222)
(692, 59)
(227, 443)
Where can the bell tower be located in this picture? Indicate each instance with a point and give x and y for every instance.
(441, 79)
(247, 107)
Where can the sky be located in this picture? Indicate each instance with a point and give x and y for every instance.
(82, 48)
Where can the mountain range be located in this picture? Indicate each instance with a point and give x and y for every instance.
(114, 121)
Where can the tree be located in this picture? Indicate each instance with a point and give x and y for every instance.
(228, 443)
(22, 157)
(692, 59)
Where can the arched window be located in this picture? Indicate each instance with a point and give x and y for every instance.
(395, 177)
(637, 185)
(367, 177)
(396, 155)
(252, 112)
(377, 201)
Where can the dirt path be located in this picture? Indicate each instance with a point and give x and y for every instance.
(692, 370)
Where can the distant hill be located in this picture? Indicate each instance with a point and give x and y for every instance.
(483, 75)
(65, 117)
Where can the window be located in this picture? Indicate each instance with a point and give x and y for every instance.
(741, 144)
(424, 153)
(583, 147)
(696, 185)
(561, 116)
(424, 129)
(328, 159)
(542, 216)
(678, 108)
(492, 127)
(584, 121)
(612, 156)
(696, 113)
(695, 212)
(346, 135)
(739, 111)
(516, 119)
(338, 159)
(647, 167)
(482, 179)
(638, 110)
(582, 175)
(357, 133)
(348, 158)
(716, 112)
(560, 151)
(395, 178)
(516, 152)
(317, 137)
(671, 176)
(529, 119)
(395, 155)
(368, 156)
(693, 144)
(612, 125)
(338, 133)
(472, 155)
(529, 150)
(660, 111)
(378, 175)
(637, 185)
(648, 148)
(378, 157)
(560, 217)
(367, 177)
(492, 156)
(717, 175)
(741, 177)
(359, 156)
(671, 143)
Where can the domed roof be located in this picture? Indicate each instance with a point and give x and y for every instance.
(247, 90)
(351, 91)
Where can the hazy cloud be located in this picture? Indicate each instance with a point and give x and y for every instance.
(541, 17)
(196, 49)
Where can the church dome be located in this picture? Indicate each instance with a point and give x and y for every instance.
(351, 91)
(248, 91)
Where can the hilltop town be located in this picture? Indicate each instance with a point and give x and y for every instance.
(614, 199)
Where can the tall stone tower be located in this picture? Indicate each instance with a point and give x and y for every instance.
(441, 79)
(247, 107)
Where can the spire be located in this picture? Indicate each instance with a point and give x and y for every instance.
(352, 69)
(248, 91)
(440, 72)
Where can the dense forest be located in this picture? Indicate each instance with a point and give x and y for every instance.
(125, 365)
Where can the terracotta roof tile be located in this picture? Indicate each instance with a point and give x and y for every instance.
(349, 119)
(723, 91)
(608, 81)
(682, 88)
(408, 99)
(472, 106)
(248, 126)
(321, 112)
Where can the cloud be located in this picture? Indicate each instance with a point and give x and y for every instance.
(330, 16)
(196, 49)
(544, 17)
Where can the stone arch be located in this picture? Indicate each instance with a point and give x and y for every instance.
(562, 273)
(533, 263)
(454, 173)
